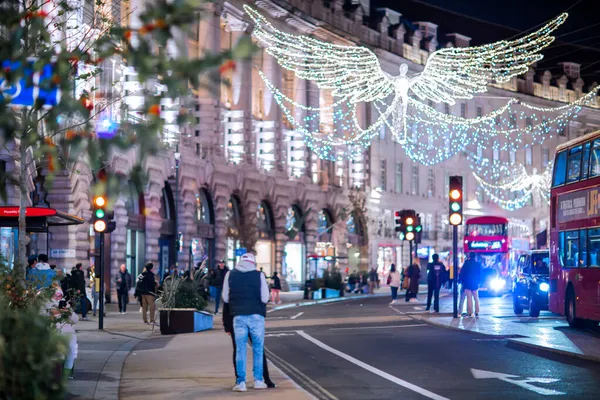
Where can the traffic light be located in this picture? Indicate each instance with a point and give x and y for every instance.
(418, 230)
(410, 221)
(103, 219)
(455, 201)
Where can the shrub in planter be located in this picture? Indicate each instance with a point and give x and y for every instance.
(31, 349)
(182, 304)
(332, 279)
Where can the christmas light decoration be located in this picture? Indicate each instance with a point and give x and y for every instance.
(511, 186)
(353, 73)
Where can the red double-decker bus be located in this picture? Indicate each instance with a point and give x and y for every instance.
(488, 238)
(575, 231)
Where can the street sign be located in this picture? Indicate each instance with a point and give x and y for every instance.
(525, 383)
(240, 251)
(62, 253)
(33, 86)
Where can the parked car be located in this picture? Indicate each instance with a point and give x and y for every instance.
(532, 283)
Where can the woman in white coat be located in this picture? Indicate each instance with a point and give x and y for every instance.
(393, 281)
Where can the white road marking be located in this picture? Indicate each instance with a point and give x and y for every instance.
(516, 380)
(278, 334)
(376, 327)
(419, 308)
(372, 369)
(297, 315)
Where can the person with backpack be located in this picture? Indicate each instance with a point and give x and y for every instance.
(78, 280)
(147, 292)
(217, 283)
(436, 276)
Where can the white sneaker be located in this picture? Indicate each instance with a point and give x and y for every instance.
(392, 302)
(431, 311)
(240, 387)
(260, 385)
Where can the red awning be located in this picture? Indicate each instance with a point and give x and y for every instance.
(38, 219)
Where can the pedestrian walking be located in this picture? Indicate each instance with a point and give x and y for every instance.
(123, 286)
(246, 291)
(276, 290)
(436, 276)
(470, 276)
(60, 311)
(228, 326)
(217, 283)
(78, 281)
(148, 293)
(413, 273)
(372, 280)
(95, 286)
(210, 279)
(393, 281)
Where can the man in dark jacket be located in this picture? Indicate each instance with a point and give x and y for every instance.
(123, 286)
(247, 292)
(217, 283)
(148, 293)
(436, 275)
(78, 282)
(470, 276)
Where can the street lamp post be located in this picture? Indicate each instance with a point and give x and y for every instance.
(176, 241)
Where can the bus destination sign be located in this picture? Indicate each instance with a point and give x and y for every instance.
(579, 205)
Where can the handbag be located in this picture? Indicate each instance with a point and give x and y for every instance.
(389, 279)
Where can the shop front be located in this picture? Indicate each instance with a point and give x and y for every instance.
(265, 246)
(202, 244)
(388, 254)
(233, 221)
(135, 248)
(357, 246)
(293, 263)
(167, 250)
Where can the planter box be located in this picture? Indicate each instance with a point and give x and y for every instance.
(330, 293)
(184, 321)
(317, 295)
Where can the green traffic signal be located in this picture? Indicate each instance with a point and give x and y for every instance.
(419, 228)
(99, 213)
(409, 228)
(401, 235)
(455, 207)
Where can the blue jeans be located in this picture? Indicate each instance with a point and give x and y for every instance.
(218, 292)
(83, 302)
(253, 325)
(394, 292)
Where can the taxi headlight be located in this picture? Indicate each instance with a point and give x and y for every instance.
(497, 284)
(544, 287)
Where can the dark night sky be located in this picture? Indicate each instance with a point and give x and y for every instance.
(514, 16)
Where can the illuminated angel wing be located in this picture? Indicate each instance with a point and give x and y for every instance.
(350, 72)
(459, 73)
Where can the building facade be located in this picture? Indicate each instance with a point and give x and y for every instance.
(239, 176)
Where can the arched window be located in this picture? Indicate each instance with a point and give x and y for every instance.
(167, 204)
(233, 216)
(264, 220)
(204, 212)
(324, 221)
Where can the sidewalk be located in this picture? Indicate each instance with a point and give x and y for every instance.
(128, 360)
(194, 366)
(548, 333)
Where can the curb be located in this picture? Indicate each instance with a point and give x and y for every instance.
(315, 302)
(552, 350)
(109, 381)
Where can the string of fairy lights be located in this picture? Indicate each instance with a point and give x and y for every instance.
(353, 77)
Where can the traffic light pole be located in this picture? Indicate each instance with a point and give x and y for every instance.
(101, 294)
(410, 253)
(455, 268)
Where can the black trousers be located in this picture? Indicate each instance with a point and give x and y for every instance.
(266, 377)
(433, 290)
(123, 297)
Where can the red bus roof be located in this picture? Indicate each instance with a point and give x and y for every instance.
(579, 140)
(486, 220)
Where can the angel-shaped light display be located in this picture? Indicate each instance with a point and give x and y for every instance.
(511, 186)
(353, 73)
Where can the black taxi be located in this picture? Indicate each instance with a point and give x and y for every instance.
(531, 283)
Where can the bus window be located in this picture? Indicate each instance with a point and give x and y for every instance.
(582, 262)
(595, 159)
(574, 165)
(561, 249)
(594, 247)
(586, 161)
(560, 168)
(571, 249)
